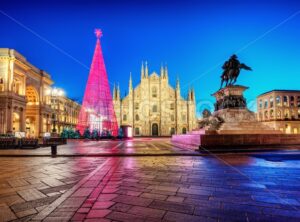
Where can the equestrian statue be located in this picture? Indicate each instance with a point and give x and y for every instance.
(232, 69)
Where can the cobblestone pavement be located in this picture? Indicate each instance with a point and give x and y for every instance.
(142, 146)
(244, 187)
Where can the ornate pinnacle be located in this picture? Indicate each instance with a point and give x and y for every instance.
(98, 33)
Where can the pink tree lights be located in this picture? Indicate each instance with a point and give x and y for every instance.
(97, 111)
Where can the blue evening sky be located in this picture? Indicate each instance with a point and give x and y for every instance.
(194, 38)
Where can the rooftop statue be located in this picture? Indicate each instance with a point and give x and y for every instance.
(232, 69)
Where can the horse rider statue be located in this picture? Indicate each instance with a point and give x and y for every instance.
(231, 71)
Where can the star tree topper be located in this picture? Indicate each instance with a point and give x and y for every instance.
(98, 33)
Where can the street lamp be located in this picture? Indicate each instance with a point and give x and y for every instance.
(55, 93)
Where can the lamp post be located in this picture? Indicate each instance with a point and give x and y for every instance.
(54, 94)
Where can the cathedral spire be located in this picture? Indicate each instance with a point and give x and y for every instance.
(146, 69)
(130, 83)
(118, 92)
(177, 84)
(142, 71)
(162, 72)
(166, 71)
(177, 87)
(114, 92)
(193, 94)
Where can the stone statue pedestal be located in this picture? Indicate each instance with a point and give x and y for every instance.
(235, 118)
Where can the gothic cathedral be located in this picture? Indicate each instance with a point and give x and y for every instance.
(154, 108)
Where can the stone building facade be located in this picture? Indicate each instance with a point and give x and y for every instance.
(154, 108)
(24, 103)
(280, 109)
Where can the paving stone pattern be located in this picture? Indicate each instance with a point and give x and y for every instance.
(231, 187)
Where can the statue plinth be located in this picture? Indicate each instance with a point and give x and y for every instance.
(230, 97)
(232, 116)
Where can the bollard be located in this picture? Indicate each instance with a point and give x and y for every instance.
(53, 149)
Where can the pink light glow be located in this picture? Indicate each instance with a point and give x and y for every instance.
(97, 111)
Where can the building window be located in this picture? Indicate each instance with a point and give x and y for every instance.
(172, 117)
(137, 118)
(260, 104)
(285, 100)
(271, 114)
(271, 102)
(292, 98)
(278, 114)
(260, 116)
(1, 85)
(137, 131)
(172, 106)
(183, 130)
(266, 115)
(154, 92)
(124, 117)
(266, 104)
(136, 106)
(286, 114)
(172, 132)
(154, 108)
(278, 100)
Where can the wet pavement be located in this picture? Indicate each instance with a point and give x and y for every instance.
(231, 187)
(143, 146)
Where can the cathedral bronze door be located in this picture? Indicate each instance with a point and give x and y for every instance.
(154, 129)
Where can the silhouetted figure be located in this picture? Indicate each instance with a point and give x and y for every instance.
(231, 71)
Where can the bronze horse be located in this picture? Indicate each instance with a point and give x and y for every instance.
(232, 69)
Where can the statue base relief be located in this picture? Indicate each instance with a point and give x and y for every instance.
(233, 127)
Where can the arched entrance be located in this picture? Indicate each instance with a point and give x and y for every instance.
(32, 96)
(154, 129)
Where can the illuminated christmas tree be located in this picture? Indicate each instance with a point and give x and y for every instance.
(97, 111)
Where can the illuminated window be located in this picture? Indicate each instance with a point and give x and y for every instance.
(260, 103)
(278, 114)
(278, 100)
(272, 114)
(266, 104)
(271, 102)
(266, 115)
(285, 100)
(286, 113)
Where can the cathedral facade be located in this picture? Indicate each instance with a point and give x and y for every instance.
(154, 108)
